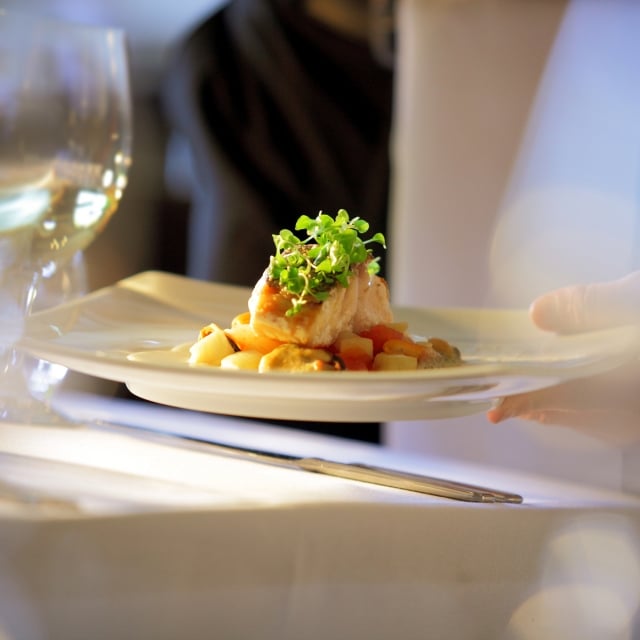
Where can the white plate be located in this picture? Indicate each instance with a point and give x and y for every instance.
(128, 332)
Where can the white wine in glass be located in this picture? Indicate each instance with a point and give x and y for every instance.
(65, 153)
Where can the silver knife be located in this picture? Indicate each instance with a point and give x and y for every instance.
(407, 481)
(350, 470)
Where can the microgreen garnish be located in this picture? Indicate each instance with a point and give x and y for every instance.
(307, 268)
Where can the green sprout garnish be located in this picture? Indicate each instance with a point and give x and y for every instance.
(308, 268)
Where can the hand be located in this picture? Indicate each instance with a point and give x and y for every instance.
(589, 307)
(607, 405)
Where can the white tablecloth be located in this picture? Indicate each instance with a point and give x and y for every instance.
(141, 539)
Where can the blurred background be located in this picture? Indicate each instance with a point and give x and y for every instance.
(148, 231)
(516, 157)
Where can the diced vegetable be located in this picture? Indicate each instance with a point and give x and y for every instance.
(355, 360)
(384, 347)
(379, 334)
(355, 352)
(352, 342)
(394, 362)
(405, 347)
(246, 339)
(211, 348)
(244, 360)
(241, 318)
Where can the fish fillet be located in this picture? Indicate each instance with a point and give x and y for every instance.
(357, 307)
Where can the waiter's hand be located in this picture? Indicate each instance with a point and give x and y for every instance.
(589, 307)
(606, 405)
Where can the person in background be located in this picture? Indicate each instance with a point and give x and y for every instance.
(285, 108)
(606, 405)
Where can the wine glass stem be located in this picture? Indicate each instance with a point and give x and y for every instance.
(15, 395)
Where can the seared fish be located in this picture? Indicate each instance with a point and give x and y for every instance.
(357, 307)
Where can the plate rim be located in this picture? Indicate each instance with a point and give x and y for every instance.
(125, 370)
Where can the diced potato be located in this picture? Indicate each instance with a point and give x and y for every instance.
(211, 348)
(394, 362)
(244, 360)
(351, 342)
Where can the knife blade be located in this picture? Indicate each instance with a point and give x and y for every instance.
(356, 471)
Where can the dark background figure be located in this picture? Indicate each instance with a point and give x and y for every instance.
(283, 114)
(284, 107)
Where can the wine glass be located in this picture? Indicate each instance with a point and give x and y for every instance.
(65, 152)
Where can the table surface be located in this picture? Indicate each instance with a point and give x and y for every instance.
(139, 534)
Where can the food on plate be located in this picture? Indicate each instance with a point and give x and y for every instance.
(362, 303)
(320, 305)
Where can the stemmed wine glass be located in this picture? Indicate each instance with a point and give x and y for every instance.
(65, 152)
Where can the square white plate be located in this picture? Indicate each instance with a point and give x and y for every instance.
(129, 332)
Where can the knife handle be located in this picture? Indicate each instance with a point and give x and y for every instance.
(407, 481)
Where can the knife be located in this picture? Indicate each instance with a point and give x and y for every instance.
(349, 470)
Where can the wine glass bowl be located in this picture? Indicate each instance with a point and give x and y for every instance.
(65, 153)
(65, 133)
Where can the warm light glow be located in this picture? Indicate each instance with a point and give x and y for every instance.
(23, 209)
(89, 209)
(218, 479)
(107, 178)
(589, 583)
(570, 213)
